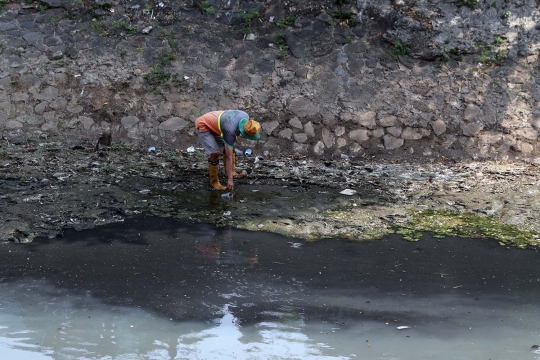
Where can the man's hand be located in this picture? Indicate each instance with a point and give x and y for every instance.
(230, 185)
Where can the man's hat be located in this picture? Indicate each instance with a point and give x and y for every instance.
(249, 129)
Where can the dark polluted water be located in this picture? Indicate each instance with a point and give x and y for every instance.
(153, 288)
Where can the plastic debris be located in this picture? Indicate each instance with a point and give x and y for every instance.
(144, 192)
(345, 157)
(161, 4)
(147, 29)
(256, 159)
(227, 196)
(247, 152)
(238, 151)
(152, 149)
(227, 213)
(271, 19)
(191, 149)
(403, 327)
(295, 245)
(348, 192)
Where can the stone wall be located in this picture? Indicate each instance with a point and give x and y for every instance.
(380, 79)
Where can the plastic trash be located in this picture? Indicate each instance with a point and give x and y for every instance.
(403, 327)
(152, 149)
(227, 196)
(247, 152)
(256, 159)
(144, 192)
(227, 213)
(348, 192)
(238, 151)
(191, 149)
(345, 157)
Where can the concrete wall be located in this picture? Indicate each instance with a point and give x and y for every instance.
(424, 80)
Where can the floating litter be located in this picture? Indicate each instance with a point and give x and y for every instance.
(348, 192)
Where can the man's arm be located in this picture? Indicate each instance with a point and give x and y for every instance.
(228, 167)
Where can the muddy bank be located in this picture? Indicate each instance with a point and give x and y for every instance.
(48, 187)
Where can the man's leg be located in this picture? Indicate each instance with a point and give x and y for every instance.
(212, 148)
(235, 174)
(213, 170)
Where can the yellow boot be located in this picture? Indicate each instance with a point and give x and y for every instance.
(214, 177)
(235, 174)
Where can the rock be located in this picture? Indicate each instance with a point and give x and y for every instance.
(439, 127)
(286, 133)
(173, 124)
(328, 138)
(359, 135)
(471, 129)
(523, 147)
(13, 124)
(32, 38)
(391, 142)
(378, 132)
(74, 108)
(269, 127)
(309, 129)
(388, 120)
(339, 130)
(366, 119)
(471, 112)
(300, 137)
(47, 94)
(86, 122)
(296, 123)
(7, 26)
(535, 121)
(40, 108)
(414, 133)
(164, 109)
(57, 55)
(318, 149)
(394, 130)
(490, 137)
(129, 121)
(19, 96)
(303, 107)
(527, 133)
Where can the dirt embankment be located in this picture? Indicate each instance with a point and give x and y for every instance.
(47, 187)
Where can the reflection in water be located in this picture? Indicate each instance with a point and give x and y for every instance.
(265, 340)
(177, 291)
(70, 326)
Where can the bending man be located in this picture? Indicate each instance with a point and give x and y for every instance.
(217, 131)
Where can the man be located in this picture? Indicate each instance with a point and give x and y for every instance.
(217, 131)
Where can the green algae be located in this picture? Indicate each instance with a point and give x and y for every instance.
(443, 223)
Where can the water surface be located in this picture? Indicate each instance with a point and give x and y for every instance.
(154, 288)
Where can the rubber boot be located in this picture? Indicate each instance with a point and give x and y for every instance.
(214, 177)
(235, 174)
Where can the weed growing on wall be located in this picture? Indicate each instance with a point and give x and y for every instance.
(248, 17)
(471, 4)
(282, 44)
(399, 49)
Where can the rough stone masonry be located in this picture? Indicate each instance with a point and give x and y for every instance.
(421, 79)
